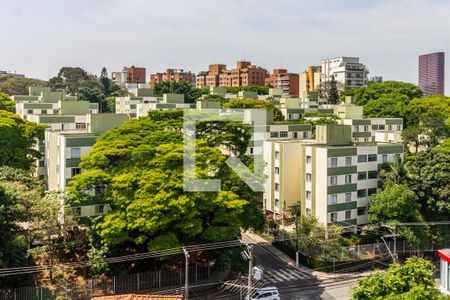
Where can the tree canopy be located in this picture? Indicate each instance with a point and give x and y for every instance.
(19, 85)
(412, 280)
(19, 137)
(375, 90)
(182, 87)
(138, 168)
(261, 90)
(69, 79)
(7, 103)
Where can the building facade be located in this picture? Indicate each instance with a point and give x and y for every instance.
(175, 75)
(331, 177)
(287, 82)
(346, 70)
(431, 73)
(245, 74)
(309, 80)
(131, 74)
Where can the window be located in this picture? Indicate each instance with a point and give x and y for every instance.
(374, 127)
(333, 180)
(283, 134)
(348, 197)
(295, 135)
(80, 125)
(308, 211)
(362, 193)
(308, 177)
(348, 178)
(362, 158)
(381, 127)
(251, 150)
(75, 152)
(277, 155)
(389, 127)
(43, 111)
(372, 157)
(30, 111)
(305, 134)
(308, 195)
(362, 211)
(348, 161)
(348, 214)
(371, 191)
(277, 202)
(334, 161)
(274, 134)
(384, 159)
(65, 126)
(362, 175)
(277, 187)
(333, 217)
(308, 159)
(76, 171)
(333, 199)
(99, 209)
(277, 170)
(372, 175)
(399, 127)
(356, 128)
(55, 111)
(366, 128)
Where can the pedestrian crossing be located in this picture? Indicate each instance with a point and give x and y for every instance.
(239, 286)
(283, 275)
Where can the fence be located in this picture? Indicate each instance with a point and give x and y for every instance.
(143, 282)
(350, 257)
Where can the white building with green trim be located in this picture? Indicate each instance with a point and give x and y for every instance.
(331, 177)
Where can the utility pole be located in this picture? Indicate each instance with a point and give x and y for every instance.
(248, 254)
(296, 214)
(186, 274)
(394, 235)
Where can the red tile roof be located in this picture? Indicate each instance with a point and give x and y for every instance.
(139, 297)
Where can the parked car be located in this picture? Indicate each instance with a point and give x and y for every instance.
(267, 293)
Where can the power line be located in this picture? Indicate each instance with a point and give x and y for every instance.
(125, 258)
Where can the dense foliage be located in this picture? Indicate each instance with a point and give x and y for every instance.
(138, 168)
(18, 85)
(261, 90)
(18, 139)
(182, 87)
(413, 280)
(7, 103)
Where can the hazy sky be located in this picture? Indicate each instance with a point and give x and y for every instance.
(39, 37)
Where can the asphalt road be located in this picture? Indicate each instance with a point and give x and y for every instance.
(291, 282)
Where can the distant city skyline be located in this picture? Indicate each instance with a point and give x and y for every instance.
(387, 36)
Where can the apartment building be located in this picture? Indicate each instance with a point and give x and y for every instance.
(346, 70)
(129, 75)
(309, 80)
(432, 73)
(331, 177)
(175, 75)
(245, 74)
(287, 82)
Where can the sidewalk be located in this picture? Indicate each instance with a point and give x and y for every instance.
(256, 239)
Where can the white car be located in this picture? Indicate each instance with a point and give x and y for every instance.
(267, 293)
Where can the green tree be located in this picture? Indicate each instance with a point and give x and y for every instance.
(333, 97)
(397, 204)
(411, 136)
(434, 124)
(138, 168)
(255, 104)
(261, 90)
(19, 85)
(413, 280)
(182, 87)
(94, 95)
(105, 82)
(19, 138)
(69, 79)
(391, 105)
(7, 103)
(375, 90)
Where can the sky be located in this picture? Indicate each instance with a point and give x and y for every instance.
(40, 37)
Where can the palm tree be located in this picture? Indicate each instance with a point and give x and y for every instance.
(398, 171)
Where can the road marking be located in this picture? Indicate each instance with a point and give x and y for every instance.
(280, 275)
